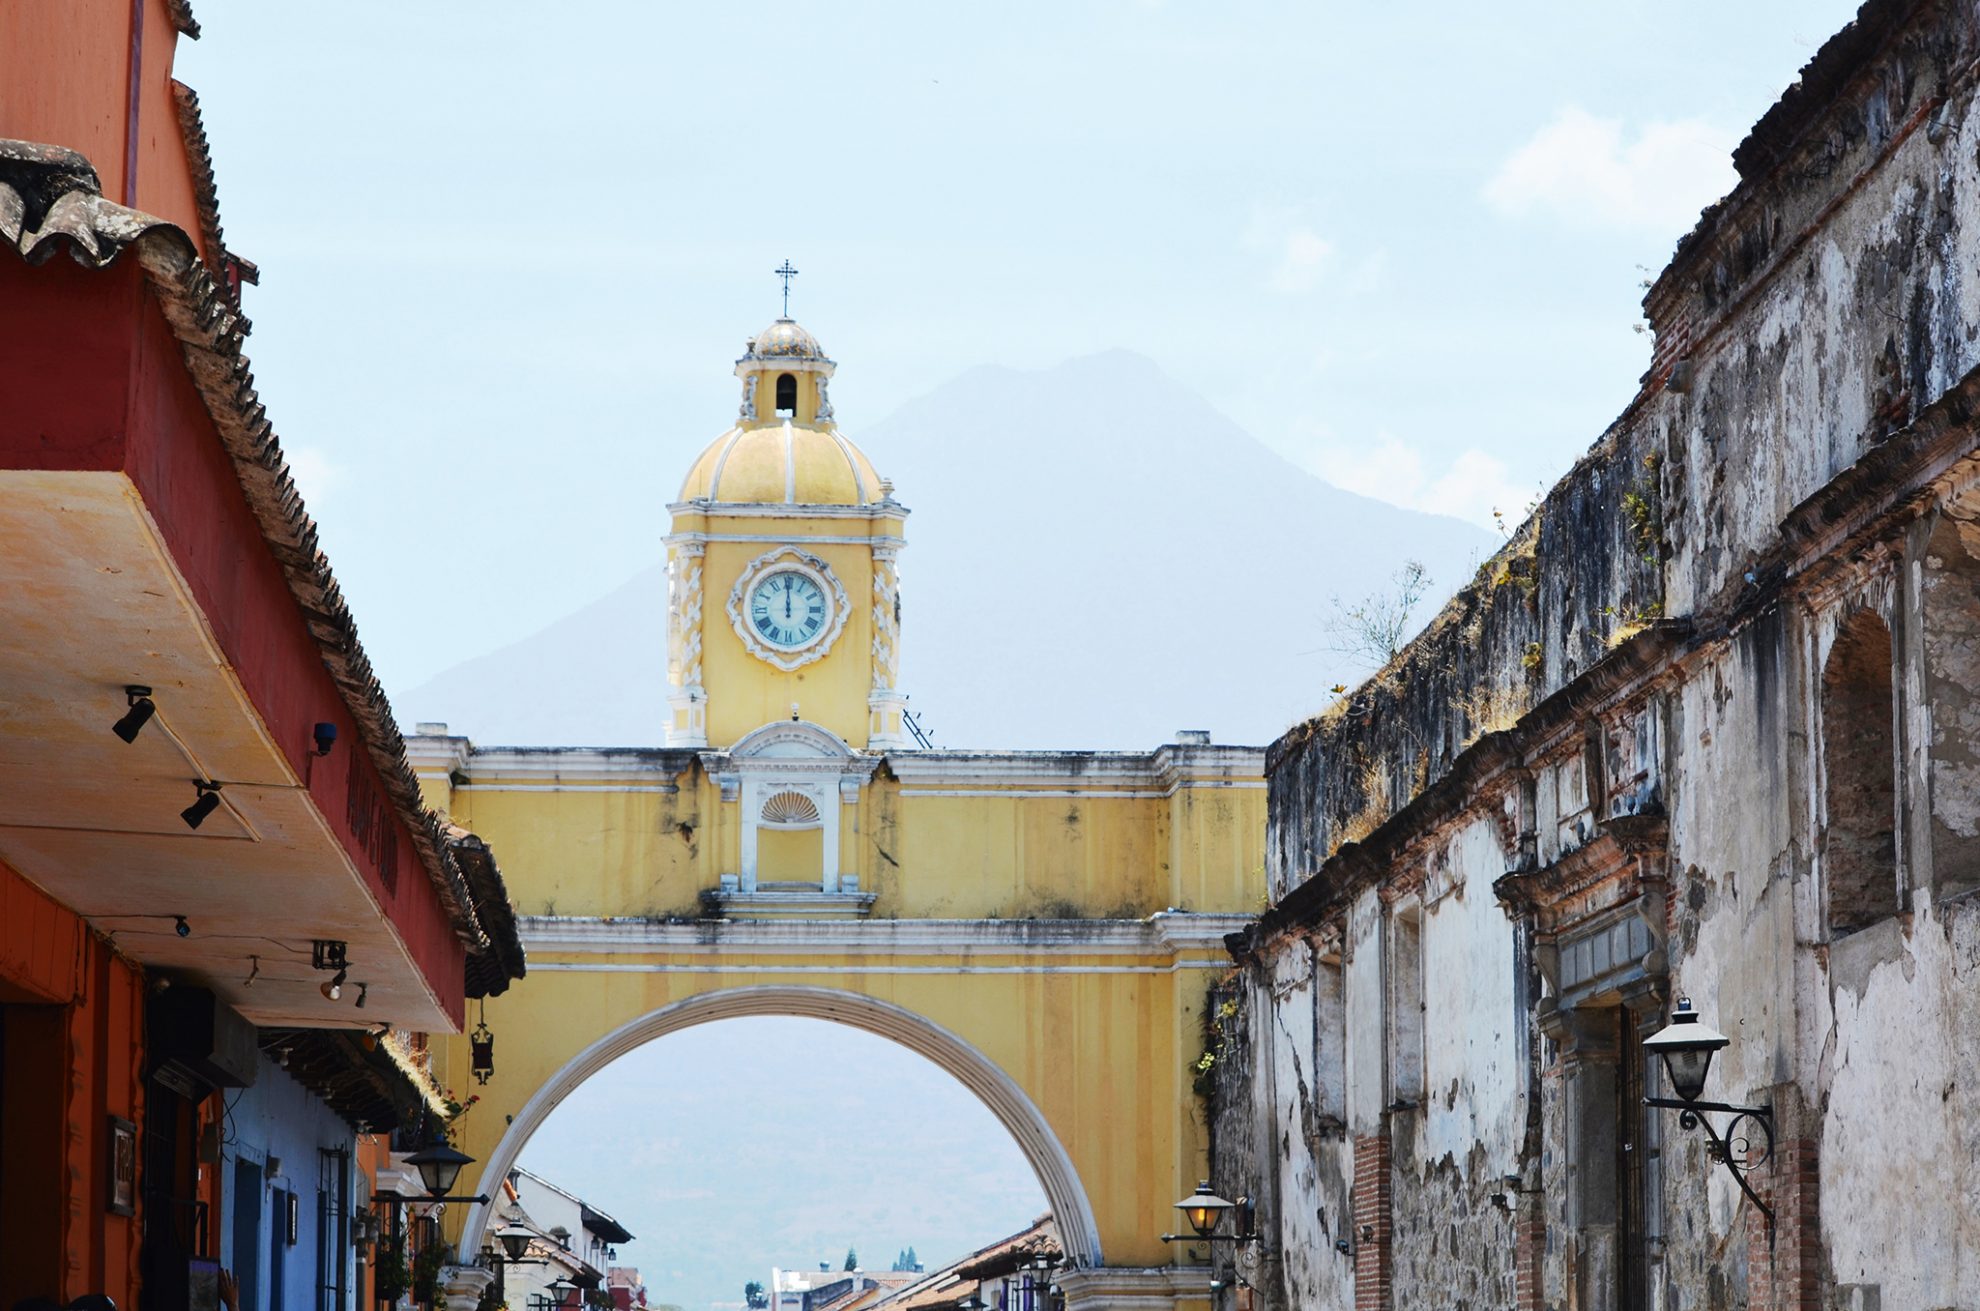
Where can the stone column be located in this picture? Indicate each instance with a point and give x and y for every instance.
(461, 1286)
(1588, 1039)
(1122, 1288)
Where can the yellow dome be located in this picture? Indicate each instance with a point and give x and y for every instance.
(783, 464)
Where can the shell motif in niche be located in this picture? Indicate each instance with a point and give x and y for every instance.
(790, 810)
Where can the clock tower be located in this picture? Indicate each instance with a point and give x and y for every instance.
(782, 596)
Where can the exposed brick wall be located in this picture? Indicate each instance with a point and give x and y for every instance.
(1529, 1246)
(1372, 1223)
(1786, 1274)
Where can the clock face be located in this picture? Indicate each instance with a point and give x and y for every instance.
(788, 609)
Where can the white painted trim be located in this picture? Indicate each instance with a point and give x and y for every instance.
(715, 475)
(1125, 1288)
(654, 967)
(595, 789)
(780, 510)
(1141, 794)
(1167, 931)
(846, 449)
(1079, 1232)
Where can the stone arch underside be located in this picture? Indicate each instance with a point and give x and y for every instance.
(1079, 1232)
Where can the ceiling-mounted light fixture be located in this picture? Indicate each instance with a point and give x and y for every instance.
(180, 927)
(334, 989)
(208, 802)
(363, 988)
(142, 708)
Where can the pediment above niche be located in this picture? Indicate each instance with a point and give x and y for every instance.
(792, 749)
(793, 739)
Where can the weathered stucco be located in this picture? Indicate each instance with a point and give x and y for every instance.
(1705, 727)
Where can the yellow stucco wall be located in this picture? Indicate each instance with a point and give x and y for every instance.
(1104, 1056)
(1101, 1040)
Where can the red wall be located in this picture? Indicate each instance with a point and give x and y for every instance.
(71, 1044)
(99, 382)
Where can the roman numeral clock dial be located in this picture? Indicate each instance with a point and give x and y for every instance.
(788, 607)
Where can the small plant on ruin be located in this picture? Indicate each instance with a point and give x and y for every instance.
(1643, 507)
(1488, 710)
(1629, 621)
(1374, 628)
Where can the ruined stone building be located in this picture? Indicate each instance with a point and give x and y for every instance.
(1704, 728)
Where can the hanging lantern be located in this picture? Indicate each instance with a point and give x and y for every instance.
(482, 1044)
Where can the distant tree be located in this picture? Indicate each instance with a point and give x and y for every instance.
(1374, 628)
(754, 1295)
(852, 1259)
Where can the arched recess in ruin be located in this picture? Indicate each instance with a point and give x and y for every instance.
(1859, 758)
(1079, 1232)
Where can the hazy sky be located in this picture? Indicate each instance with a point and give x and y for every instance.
(510, 251)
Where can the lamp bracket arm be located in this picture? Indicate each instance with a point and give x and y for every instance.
(1736, 1162)
(1765, 1114)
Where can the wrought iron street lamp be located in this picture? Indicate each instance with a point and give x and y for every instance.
(1687, 1045)
(1205, 1211)
(439, 1165)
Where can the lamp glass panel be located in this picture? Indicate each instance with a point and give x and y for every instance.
(1687, 1068)
(439, 1176)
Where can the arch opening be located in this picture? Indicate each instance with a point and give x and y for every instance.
(1008, 1104)
(786, 395)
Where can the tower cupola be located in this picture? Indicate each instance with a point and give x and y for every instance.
(785, 373)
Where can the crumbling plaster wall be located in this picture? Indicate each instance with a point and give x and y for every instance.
(1830, 306)
(1453, 1150)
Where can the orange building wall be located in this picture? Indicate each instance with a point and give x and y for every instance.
(65, 81)
(71, 1044)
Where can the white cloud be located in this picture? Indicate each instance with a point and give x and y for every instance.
(1299, 253)
(1581, 169)
(317, 475)
(1470, 487)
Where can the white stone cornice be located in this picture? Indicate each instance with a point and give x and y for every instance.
(782, 510)
(437, 755)
(645, 769)
(1152, 774)
(1124, 1288)
(1167, 934)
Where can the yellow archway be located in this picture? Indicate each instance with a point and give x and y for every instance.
(1078, 1229)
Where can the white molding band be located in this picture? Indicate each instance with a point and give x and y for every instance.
(839, 971)
(1170, 932)
(1125, 1288)
(1079, 1232)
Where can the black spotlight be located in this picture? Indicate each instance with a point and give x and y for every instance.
(180, 927)
(209, 801)
(363, 988)
(326, 737)
(140, 713)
